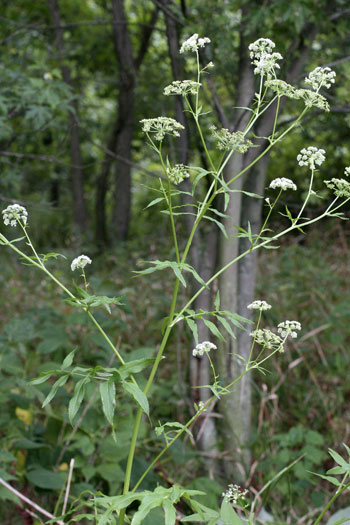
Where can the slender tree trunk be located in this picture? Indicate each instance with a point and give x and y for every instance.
(120, 141)
(77, 175)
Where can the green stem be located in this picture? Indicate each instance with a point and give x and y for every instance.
(267, 218)
(330, 503)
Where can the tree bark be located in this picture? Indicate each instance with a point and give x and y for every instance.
(120, 141)
(77, 174)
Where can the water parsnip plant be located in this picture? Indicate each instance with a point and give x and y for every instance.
(265, 343)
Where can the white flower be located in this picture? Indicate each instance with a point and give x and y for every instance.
(268, 339)
(311, 156)
(288, 328)
(161, 126)
(312, 99)
(266, 64)
(48, 76)
(259, 305)
(264, 60)
(182, 87)
(14, 213)
(227, 140)
(234, 493)
(177, 173)
(341, 187)
(347, 171)
(201, 406)
(193, 43)
(282, 88)
(80, 262)
(262, 46)
(202, 348)
(321, 77)
(283, 183)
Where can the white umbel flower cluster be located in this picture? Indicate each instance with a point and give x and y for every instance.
(80, 262)
(177, 173)
(267, 339)
(259, 305)
(321, 77)
(182, 87)
(203, 348)
(231, 141)
(234, 493)
(161, 126)
(14, 213)
(283, 183)
(288, 328)
(311, 156)
(340, 187)
(264, 60)
(347, 171)
(193, 43)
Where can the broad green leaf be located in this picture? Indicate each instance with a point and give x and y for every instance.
(170, 512)
(228, 514)
(45, 479)
(137, 395)
(107, 393)
(60, 382)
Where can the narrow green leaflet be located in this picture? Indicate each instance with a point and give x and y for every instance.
(41, 379)
(107, 394)
(133, 367)
(193, 327)
(137, 395)
(226, 325)
(77, 399)
(46, 256)
(60, 382)
(155, 201)
(217, 301)
(219, 224)
(213, 328)
(169, 512)
(68, 360)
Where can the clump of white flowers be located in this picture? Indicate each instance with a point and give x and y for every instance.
(340, 187)
(288, 328)
(312, 99)
(203, 348)
(13, 214)
(347, 171)
(193, 43)
(259, 305)
(282, 88)
(80, 262)
(283, 183)
(182, 87)
(264, 60)
(234, 493)
(161, 126)
(267, 339)
(321, 77)
(177, 173)
(227, 140)
(311, 156)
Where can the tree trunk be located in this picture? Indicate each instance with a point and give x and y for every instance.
(77, 175)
